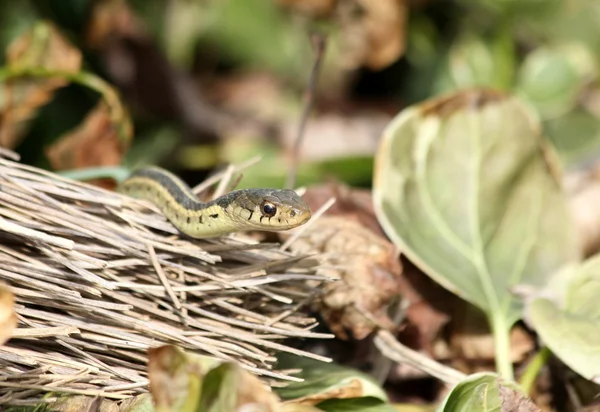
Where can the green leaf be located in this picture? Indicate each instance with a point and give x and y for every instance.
(327, 381)
(572, 329)
(219, 389)
(484, 392)
(355, 405)
(467, 187)
(474, 61)
(550, 82)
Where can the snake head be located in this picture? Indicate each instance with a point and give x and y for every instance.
(269, 209)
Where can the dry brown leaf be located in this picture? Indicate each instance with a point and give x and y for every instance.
(429, 302)
(8, 318)
(514, 400)
(384, 29)
(94, 143)
(368, 268)
(372, 32)
(45, 48)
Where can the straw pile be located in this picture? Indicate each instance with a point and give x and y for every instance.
(98, 278)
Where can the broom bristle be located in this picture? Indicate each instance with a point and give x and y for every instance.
(99, 278)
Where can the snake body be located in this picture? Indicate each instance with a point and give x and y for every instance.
(237, 211)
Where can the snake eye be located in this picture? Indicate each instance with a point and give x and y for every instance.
(269, 209)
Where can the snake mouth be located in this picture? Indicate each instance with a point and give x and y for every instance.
(298, 217)
(301, 216)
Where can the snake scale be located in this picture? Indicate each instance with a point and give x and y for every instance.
(237, 211)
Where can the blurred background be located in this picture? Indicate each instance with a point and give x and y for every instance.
(207, 82)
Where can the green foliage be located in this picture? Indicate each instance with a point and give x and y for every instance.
(483, 392)
(321, 379)
(569, 323)
(467, 188)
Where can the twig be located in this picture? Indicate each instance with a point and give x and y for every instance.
(396, 351)
(319, 41)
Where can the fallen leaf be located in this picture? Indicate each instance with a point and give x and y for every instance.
(372, 32)
(96, 142)
(384, 25)
(45, 48)
(429, 303)
(368, 267)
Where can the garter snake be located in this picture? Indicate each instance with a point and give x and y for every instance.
(236, 211)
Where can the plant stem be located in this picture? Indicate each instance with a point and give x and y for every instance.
(501, 333)
(533, 369)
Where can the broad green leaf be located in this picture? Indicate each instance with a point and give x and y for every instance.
(484, 392)
(323, 381)
(467, 187)
(572, 329)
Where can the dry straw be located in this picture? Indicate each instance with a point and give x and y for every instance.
(98, 278)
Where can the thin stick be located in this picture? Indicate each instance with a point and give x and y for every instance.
(319, 41)
(390, 347)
